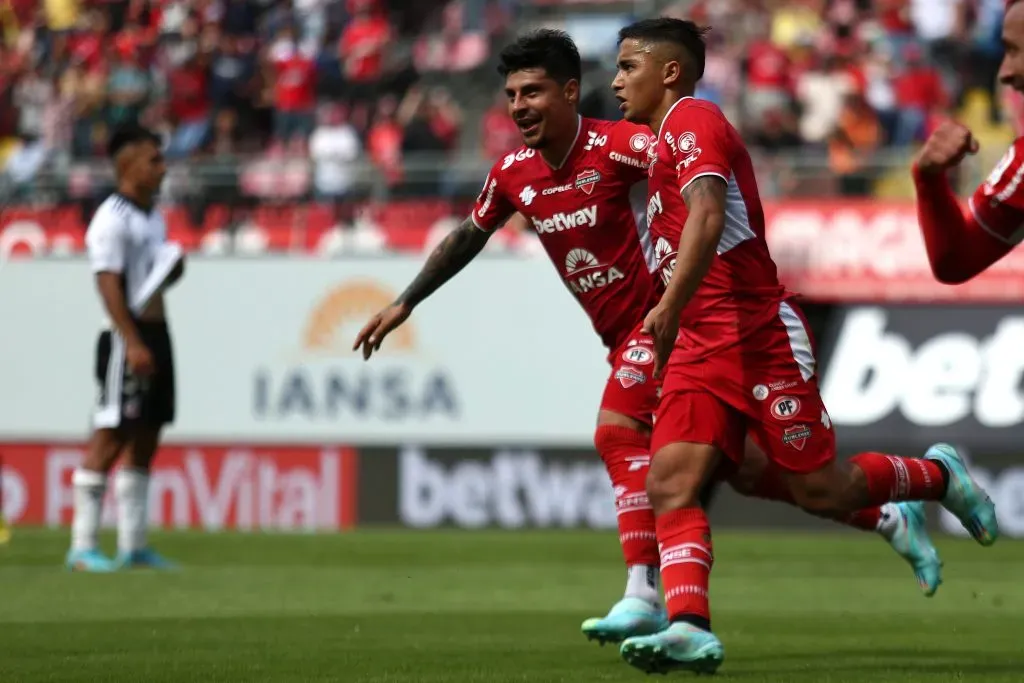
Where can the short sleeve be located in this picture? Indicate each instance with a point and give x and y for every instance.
(699, 140)
(105, 241)
(492, 206)
(998, 203)
(627, 149)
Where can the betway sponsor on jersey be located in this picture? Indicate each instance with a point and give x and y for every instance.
(197, 487)
(925, 374)
(584, 218)
(510, 489)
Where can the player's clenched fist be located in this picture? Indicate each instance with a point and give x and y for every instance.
(380, 325)
(946, 148)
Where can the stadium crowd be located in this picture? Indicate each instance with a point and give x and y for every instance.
(339, 82)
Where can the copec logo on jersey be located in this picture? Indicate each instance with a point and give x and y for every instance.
(327, 381)
(584, 218)
(584, 273)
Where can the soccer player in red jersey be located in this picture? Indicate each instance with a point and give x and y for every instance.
(579, 183)
(962, 246)
(737, 353)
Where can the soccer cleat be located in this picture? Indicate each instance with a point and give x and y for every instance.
(911, 541)
(964, 497)
(89, 561)
(680, 647)
(628, 617)
(146, 557)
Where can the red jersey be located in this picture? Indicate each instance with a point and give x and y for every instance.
(998, 203)
(741, 290)
(586, 214)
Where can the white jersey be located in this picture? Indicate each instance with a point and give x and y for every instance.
(124, 238)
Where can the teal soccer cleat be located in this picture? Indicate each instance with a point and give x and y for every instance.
(964, 497)
(89, 561)
(680, 647)
(913, 544)
(147, 557)
(628, 617)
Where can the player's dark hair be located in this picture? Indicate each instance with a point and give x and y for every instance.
(548, 49)
(129, 135)
(685, 34)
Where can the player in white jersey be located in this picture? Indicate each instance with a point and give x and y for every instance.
(133, 265)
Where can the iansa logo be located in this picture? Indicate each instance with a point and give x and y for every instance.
(330, 382)
(578, 260)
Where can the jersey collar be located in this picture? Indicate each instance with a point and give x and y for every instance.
(669, 112)
(572, 147)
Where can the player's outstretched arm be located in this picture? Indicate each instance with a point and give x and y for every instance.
(958, 246)
(455, 251)
(705, 202)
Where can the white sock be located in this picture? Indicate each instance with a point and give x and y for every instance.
(131, 488)
(889, 522)
(89, 487)
(642, 582)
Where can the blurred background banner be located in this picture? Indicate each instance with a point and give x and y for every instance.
(318, 150)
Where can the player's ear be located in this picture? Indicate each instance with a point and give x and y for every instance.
(571, 91)
(671, 72)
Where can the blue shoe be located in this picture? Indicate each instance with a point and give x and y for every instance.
(964, 497)
(911, 541)
(147, 557)
(628, 617)
(680, 647)
(89, 561)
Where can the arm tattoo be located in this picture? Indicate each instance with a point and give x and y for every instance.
(456, 250)
(706, 189)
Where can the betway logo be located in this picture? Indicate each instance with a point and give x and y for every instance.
(654, 207)
(948, 378)
(584, 218)
(513, 489)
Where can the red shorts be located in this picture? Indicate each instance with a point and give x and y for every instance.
(632, 389)
(768, 388)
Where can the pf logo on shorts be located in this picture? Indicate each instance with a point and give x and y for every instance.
(786, 407)
(638, 355)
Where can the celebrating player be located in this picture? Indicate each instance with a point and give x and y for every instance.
(738, 352)
(134, 362)
(962, 246)
(573, 181)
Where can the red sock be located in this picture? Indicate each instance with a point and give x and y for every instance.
(892, 478)
(684, 539)
(627, 457)
(771, 486)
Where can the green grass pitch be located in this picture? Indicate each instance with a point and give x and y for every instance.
(462, 607)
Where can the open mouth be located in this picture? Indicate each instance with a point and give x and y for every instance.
(528, 127)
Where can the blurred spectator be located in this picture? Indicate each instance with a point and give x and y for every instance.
(919, 90)
(190, 108)
(821, 92)
(499, 133)
(384, 141)
(293, 72)
(334, 148)
(129, 87)
(361, 49)
(852, 145)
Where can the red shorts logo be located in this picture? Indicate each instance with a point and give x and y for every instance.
(786, 407)
(628, 376)
(796, 436)
(638, 355)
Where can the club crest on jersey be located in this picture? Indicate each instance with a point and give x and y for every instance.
(785, 407)
(796, 436)
(587, 179)
(639, 142)
(638, 355)
(628, 376)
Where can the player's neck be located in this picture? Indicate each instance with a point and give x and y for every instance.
(669, 101)
(143, 200)
(557, 152)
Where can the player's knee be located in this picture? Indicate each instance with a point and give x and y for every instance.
(675, 479)
(820, 493)
(104, 447)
